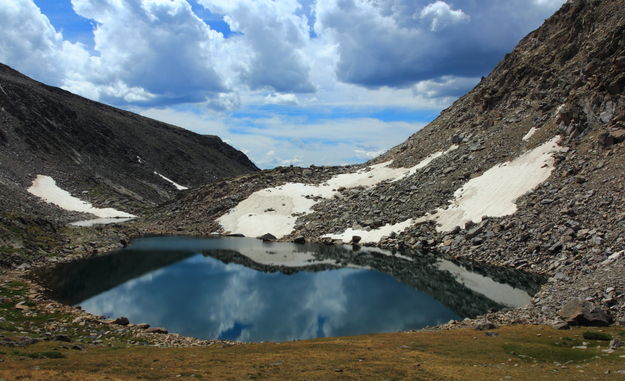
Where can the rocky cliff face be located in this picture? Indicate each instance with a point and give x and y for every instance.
(526, 170)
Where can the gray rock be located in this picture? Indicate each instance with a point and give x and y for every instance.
(477, 241)
(121, 321)
(484, 326)
(474, 232)
(561, 326)
(580, 312)
(267, 237)
(63, 338)
(616, 344)
(156, 330)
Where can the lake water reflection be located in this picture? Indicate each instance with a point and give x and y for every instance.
(229, 288)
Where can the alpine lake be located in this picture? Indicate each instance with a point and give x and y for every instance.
(244, 289)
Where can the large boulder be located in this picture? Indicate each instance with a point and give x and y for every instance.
(612, 137)
(580, 312)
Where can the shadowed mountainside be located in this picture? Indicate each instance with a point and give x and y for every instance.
(98, 153)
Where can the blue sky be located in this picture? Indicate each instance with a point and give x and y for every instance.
(299, 82)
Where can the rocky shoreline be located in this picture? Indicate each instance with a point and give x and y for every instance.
(86, 329)
(565, 81)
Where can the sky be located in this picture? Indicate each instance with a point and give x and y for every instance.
(288, 82)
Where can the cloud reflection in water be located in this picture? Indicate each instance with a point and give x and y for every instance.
(203, 297)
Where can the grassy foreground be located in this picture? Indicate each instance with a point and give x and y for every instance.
(517, 353)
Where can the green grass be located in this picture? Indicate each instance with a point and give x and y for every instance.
(7, 327)
(10, 250)
(591, 335)
(13, 288)
(568, 342)
(549, 353)
(41, 355)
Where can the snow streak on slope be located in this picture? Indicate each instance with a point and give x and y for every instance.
(45, 188)
(529, 134)
(172, 182)
(275, 210)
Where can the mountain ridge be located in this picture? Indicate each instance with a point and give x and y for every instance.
(55, 131)
(99, 154)
(562, 86)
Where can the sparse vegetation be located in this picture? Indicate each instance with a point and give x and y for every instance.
(41, 355)
(593, 335)
(519, 352)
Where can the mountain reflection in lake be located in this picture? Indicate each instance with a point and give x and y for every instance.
(244, 289)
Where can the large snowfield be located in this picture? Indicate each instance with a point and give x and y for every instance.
(493, 194)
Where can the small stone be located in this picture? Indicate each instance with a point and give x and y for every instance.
(121, 321)
(156, 330)
(356, 239)
(477, 241)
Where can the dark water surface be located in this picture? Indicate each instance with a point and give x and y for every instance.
(244, 289)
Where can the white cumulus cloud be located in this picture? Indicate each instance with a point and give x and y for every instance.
(440, 14)
(362, 55)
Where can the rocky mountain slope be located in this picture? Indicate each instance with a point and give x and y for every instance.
(102, 155)
(526, 170)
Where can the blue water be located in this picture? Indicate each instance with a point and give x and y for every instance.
(190, 292)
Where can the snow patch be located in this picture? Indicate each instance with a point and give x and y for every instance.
(494, 193)
(373, 235)
(275, 210)
(101, 221)
(45, 188)
(529, 134)
(172, 182)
